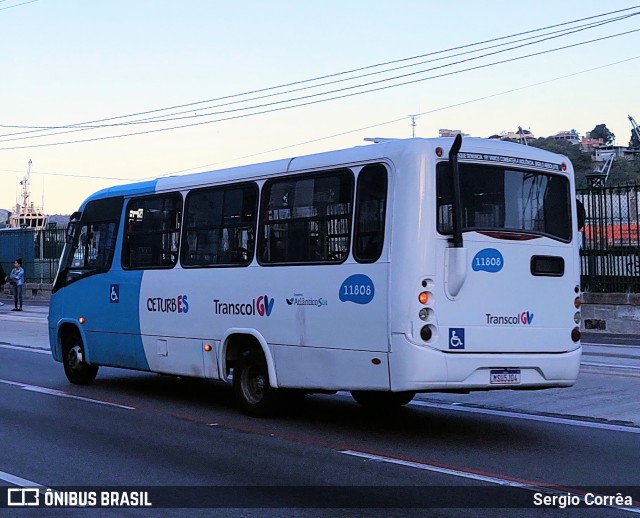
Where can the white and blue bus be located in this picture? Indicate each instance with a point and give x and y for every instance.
(387, 269)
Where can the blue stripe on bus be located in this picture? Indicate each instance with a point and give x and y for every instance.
(112, 327)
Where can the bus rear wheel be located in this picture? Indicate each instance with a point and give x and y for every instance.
(77, 370)
(382, 400)
(252, 388)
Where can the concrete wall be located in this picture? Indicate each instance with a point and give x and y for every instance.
(613, 313)
(30, 291)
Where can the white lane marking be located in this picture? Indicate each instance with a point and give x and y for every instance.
(491, 479)
(25, 348)
(18, 481)
(438, 469)
(23, 482)
(528, 417)
(611, 366)
(610, 345)
(59, 393)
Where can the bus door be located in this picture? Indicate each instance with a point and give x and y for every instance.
(173, 324)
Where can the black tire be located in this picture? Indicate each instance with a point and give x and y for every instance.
(252, 388)
(382, 400)
(78, 371)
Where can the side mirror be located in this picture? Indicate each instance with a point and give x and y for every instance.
(69, 233)
(71, 227)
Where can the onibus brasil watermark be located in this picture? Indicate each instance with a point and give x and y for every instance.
(39, 497)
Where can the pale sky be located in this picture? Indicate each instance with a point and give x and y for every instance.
(67, 62)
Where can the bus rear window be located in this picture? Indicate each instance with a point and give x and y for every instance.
(495, 198)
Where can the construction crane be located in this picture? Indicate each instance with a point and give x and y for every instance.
(634, 125)
(523, 137)
(599, 176)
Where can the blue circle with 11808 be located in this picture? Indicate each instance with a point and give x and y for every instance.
(357, 288)
(488, 260)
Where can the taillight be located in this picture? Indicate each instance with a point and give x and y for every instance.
(425, 297)
(426, 333)
(575, 334)
(426, 314)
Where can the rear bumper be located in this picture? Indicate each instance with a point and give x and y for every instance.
(422, 369)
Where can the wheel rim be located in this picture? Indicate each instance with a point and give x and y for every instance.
(74, 358)
(253, 384)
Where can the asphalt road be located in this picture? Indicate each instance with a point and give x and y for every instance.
(139, 430)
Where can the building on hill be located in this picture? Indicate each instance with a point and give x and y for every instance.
(443, 133)
(571, 136)
(589, 144)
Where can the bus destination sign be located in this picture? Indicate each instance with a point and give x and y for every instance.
(501, 159)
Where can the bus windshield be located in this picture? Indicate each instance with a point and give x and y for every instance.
(500, 199)
(91, 239)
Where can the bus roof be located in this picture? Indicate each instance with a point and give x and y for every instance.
(473, 149)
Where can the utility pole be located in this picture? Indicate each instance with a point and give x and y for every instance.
(413, 125)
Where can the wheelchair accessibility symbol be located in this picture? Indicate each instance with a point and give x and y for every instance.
(456, 338)
(114, 293)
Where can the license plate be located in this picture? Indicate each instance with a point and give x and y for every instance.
(505, 377)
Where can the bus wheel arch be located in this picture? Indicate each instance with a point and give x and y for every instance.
(74, 359)
(236, 343)
(253, 383)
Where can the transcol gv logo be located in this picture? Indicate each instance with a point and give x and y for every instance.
(261, 306)
(523, 319)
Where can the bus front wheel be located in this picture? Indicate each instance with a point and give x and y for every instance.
(77, 370)
(382, 400)
(252, 389)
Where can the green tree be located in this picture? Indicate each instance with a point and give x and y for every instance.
(601, 131)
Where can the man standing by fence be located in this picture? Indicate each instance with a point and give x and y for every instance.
(16, 278)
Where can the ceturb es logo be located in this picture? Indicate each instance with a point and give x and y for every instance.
(177, 304)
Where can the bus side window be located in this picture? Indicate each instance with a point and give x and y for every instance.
(220, 226)
(152, 233)
(371, 203)
(306, 219)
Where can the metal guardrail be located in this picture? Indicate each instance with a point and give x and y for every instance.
(610, 251)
